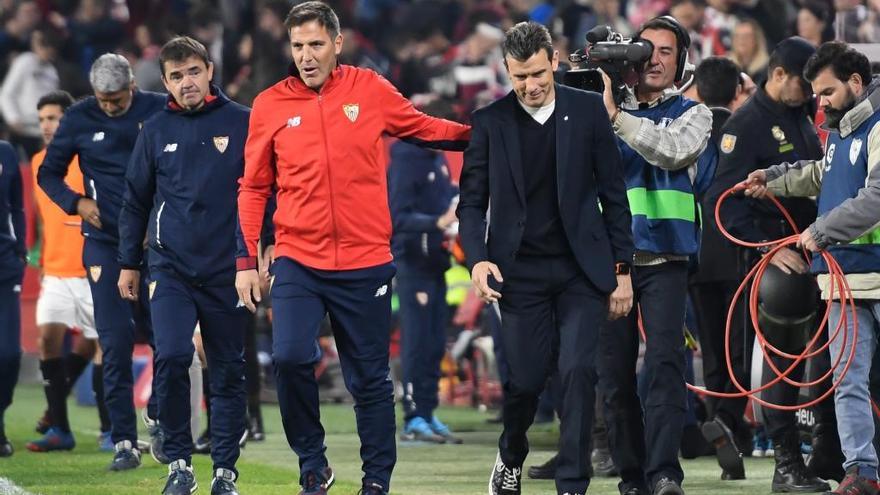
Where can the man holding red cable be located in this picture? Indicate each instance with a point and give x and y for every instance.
(847, 183)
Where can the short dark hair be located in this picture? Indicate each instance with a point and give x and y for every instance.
(61, 98)
(843, 60)
(313, 11)
(526, 39)
(668, 23)
(818, 8)
(716, 79)
(181, 48)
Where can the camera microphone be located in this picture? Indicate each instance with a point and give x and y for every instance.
(598, 33)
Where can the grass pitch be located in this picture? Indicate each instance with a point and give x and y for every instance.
(271, 468)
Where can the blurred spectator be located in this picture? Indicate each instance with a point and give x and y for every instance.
(146, 71)
(15, 37)
(721, 19)
(640, 11)
(813, 22)
(267, 51)
(358, 51)
(690, 14)
(750, 49)
(477, 64)
(851, 15)
(92, 29)
(31, 76)
(869, 30)
(207, 27)
(581, 16)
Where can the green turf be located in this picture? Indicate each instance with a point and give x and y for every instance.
(271, 468)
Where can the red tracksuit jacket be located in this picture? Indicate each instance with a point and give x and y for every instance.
(323, 152)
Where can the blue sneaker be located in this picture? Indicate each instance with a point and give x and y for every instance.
(54, 439)
(126, 457)
(441, 429)
(181, 480)
(105, 442)
(417, 429)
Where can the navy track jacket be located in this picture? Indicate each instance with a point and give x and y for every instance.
(181, 191)
(12, 248)
(104, 146)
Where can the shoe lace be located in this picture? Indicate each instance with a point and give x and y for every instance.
(510, 478)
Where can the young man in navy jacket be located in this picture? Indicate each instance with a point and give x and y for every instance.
(13, 256)
(180, 192)
(101, 130)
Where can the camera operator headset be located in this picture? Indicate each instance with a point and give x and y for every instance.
(661, 136)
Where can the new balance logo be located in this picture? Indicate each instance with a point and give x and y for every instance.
(99, 136)
(381, 291)
(294, 122)
(170, 148)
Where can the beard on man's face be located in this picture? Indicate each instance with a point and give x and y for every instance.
(833, 116)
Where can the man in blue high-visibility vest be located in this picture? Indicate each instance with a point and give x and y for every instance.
(847, 182)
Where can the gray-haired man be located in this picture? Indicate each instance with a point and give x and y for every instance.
(102, 131)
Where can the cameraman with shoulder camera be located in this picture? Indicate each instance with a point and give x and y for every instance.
(661, 136)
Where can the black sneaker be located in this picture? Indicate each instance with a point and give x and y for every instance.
(505, 480)
(317, 482)
(126, 457)
(181, 480)
(6, 449)
(666, 486)
(224, 482)
(546, 471)
(603, 464)
(372, 489)
(202, 445)
(157, 439)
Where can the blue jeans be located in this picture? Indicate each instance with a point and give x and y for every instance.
(852, 399)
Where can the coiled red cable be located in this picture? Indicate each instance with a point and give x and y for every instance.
(838, 290)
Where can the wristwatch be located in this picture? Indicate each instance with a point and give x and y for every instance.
(621, 268)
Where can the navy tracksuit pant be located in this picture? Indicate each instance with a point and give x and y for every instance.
(423, 311)
(359, 305)
(114, 321)
(645, 446)
(176, 306)
(10, 343)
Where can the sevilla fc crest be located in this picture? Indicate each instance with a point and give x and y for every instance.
(351, 111)
(221, 142)
(95, 272)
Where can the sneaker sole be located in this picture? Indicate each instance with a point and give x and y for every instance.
(728, 457)
(36, 448)
(415, 437)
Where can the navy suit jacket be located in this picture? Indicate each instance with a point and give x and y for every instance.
(589, 172)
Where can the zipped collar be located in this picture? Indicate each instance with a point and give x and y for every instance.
(296, 83)
(214, 99)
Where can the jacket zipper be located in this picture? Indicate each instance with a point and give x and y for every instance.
(94, 189)
(159, 225)
(330, 182)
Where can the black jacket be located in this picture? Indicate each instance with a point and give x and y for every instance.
(760, 134)
(589, 171)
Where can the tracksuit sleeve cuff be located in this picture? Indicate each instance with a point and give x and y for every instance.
(248, 263)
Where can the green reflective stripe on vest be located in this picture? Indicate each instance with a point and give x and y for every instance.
(662, 205)
(872, 237)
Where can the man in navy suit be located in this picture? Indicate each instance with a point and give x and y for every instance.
(542, 159)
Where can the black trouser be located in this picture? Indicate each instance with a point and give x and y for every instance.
(550, 316)
(711, 304)
(645, 446)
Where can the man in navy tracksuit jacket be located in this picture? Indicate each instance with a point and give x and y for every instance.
(181, 192)
(420, 196)
(13, 256)
(102, 130)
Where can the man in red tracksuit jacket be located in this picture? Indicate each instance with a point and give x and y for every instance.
(317, 138)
